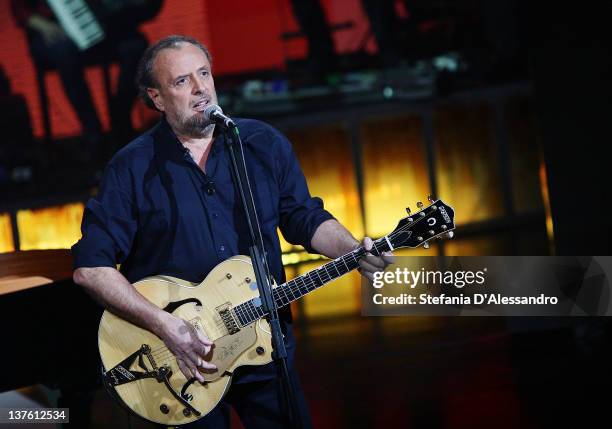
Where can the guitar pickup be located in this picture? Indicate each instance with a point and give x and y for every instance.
(228, 319)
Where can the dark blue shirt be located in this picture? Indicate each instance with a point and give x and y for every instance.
(157, 212)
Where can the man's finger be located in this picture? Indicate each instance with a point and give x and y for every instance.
(388, 257)
(368, 275)
(193, 370)
(375, 261)
(198, 375)
(184, 369)
(367, 243)
(367, 268)
(205, 342)
(207, 365)
(204, 363)
(190, 361)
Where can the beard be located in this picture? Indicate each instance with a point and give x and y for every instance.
(196, 126)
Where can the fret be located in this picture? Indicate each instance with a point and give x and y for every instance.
(290, 287)
(245, 316)
(236, 314)
(281, 289)
(388, 242)
(259, 312)
(345, 264)
(356, 255)
(308, 280)
(379, 246)
(296, 288)
(337, 270)
(251, 310)
(303, 288)
(240, 314)
(326, 272)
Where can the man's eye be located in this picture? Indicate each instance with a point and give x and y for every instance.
(204, 72)
(181, 81)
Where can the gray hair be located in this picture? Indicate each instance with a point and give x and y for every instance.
(145, 78)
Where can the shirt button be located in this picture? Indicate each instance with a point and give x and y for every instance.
(215, 215)
(222, 248)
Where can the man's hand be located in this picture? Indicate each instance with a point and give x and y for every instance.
(333, 240)
(190, 347)
(370, 263)
(109, 287)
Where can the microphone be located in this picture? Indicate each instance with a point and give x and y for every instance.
(214, 114)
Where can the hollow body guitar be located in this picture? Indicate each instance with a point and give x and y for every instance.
(143, 374)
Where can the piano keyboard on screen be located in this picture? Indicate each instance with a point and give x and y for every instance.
(78, 21)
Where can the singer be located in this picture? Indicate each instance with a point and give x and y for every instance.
(167, 205)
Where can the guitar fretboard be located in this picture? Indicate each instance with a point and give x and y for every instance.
(252, 310)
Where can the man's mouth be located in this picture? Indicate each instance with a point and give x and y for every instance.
(200, 105)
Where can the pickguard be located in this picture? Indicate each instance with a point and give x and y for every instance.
(229, 348)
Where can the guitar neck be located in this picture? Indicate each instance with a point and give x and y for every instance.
(294, 289)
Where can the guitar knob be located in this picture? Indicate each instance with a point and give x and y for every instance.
(419, 204)
(450, 234)
(164, 409)
(408, 211)
(431, 198)
(426, 245)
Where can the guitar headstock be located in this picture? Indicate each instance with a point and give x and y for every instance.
(416, 229)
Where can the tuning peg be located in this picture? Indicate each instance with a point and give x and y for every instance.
(450, 234)
(419, 204)
(426, 245)
(431, 198)
(408, 211)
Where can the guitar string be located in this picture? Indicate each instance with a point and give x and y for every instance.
(159, 352)
(305, 279)
(163, 353)
(307, 282)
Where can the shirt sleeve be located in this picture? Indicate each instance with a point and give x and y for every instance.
(109, 224)
(300, 213)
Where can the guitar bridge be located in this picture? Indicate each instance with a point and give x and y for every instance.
(122, 374)
(228, 319)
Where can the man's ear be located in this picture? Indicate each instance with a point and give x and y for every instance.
(155, 96)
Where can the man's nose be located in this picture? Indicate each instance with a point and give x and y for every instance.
(198, 86)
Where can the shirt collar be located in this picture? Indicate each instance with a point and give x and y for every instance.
(168, 146)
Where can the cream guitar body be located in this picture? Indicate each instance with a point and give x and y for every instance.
(141, 372)
(203, 305)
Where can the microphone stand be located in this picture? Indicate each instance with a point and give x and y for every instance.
(287, 399)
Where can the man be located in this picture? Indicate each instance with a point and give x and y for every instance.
(167, 205)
